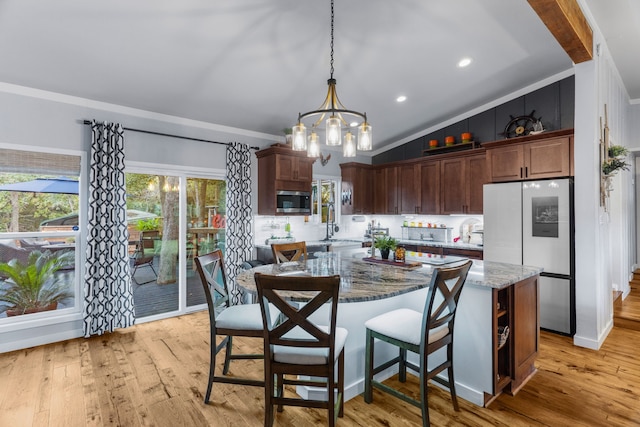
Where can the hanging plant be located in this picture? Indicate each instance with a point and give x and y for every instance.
(616, 161)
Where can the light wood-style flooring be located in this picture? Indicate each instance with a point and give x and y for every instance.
(155, 374)
(627, 312)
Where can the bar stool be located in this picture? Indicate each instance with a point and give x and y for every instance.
(421, 333)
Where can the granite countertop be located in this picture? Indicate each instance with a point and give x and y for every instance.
(364, 281)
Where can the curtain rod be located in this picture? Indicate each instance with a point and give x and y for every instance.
(88, 122)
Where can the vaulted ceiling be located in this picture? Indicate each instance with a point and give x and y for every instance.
(255, 64)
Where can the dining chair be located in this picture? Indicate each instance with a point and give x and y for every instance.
(227, 320)
(144, 255)
(421, 333)
(285, 252)
(298, 351)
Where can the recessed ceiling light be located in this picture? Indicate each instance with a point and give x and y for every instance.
(464, 62)
(401, 98)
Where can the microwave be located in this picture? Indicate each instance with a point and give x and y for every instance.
(293, 202)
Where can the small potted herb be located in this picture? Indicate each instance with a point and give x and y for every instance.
(385, 244)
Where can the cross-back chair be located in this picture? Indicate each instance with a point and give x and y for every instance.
(421, 333)
(226, 320)
(285, 252)
(298, 347)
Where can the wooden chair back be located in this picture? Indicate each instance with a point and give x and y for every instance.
(212, 274)
(445, 288)
(285, 252)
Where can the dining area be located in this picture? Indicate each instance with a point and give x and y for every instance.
(156, 373)
(314, 315)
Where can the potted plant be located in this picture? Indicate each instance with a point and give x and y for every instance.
(34, 286)
(385, 244)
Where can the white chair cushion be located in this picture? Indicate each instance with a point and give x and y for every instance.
(244, 316)
(405, 325)
(308, 355)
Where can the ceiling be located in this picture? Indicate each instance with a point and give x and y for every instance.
(255, 64)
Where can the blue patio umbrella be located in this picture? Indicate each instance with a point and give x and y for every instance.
(61, 185)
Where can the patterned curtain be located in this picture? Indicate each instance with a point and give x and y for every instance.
(239, 237)
(108, 298)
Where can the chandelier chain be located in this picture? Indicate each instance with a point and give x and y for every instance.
(331, 38)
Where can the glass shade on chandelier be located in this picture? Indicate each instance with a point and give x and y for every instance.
(313, 149)
(299, 136)
(349, 148)
(364, 137)
(334, 131)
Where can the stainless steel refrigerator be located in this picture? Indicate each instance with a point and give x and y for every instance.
(531, 223)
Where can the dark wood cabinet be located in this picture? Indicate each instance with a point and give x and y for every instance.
(525, 331)
(516, 308)
(461, 184)
(467, 253)
(429, 188)
(408, 196)
(549, 157)
(281, 168)
(396, 189)
(293, 168)
(357, 189)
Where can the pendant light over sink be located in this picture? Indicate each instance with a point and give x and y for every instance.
(334, 112)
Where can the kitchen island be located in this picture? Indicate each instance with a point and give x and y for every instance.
(492, 295)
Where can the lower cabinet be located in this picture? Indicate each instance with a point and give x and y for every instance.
(467, 253)
(516, 336)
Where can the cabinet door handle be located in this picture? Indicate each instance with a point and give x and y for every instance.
(521, 173)
(526, 171)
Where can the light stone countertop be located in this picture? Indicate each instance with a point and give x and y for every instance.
(364, 281)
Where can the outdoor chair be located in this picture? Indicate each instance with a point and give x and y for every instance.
(144, 255)
(421, 333)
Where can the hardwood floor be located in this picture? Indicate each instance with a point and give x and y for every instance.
(627, 312)
(155, 374)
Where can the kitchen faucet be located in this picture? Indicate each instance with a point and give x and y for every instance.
(330, 220)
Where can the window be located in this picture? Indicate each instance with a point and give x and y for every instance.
(39, 212)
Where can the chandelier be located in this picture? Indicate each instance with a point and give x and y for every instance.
(335, 113)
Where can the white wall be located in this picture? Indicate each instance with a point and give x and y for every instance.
(603, 243)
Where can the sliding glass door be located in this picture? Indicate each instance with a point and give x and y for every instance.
(173, 218)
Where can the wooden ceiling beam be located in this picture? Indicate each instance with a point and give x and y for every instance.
(567, 23)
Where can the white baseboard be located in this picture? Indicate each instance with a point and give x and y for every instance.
(591, 343)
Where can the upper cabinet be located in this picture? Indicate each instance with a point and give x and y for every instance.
(429, 193)
(293, 168)
(461, 184)
(281, 168)
(396, 189)
(357, 189)
(548, 155)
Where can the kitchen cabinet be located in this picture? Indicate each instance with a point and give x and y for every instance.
(537, 159)
(281, 168)
(467, 253)
(396, 189)
(357, 189)
(461, 184)
(516, 308)
(429, 202)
